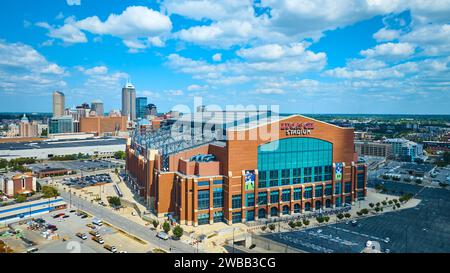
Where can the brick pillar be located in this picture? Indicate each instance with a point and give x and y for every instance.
(280, 207)
(243, 197)
(182, 202)
(302, 199)
(211, 201)
(195, 203)
(313, 202)
(256, 193)
(333, 182)
(292, 200)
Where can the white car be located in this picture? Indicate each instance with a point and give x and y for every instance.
(162, 235)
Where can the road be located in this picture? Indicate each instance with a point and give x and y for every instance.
(129, 226)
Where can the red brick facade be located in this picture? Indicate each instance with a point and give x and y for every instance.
(175, 190)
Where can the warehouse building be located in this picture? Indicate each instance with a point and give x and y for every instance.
(101, 147)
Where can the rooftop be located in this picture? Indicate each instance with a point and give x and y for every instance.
(62, 143)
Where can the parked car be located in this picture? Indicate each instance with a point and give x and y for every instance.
(32, 250)
(90, 226)
(97, 222)
(81, 235)
(162, 235)
(98, 240)
(113, 249)
(94, 233)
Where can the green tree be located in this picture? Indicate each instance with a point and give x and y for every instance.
(272, 227)
(178, 231)
(20, 198)
(49, 192)
(3, 163)
(166, 227)
(155, 223)
(119, 155)
(44, 133)
(340, 216)
(114, 201)
(291, 224)
(298, 224)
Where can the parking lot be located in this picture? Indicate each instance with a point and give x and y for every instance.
(65, 240)
(78, 165)
(424, 228)
(87, 181)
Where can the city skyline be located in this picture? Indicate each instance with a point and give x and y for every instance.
(373, 58)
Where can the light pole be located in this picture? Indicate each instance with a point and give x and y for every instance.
(233, 241)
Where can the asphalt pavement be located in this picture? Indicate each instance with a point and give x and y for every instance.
(125, 224)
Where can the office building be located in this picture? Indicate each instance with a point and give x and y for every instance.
(27, 128)
(367, 148)
(265, 166)
(61, 125)
(129, 101)
(141, 107)
(151, 110)
(58, 104)
(103, 126)
(98, 107)
(404, 149)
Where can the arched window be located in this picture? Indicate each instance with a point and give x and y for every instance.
(307, 206)
(318, 205)
(328, 203)
(285, 210)
(297, 208)
(261, 213)
(274, 211)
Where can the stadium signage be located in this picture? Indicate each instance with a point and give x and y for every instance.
(297, 128)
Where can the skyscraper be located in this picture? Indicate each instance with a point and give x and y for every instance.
(97, 106)
(58, 104)
(141, 105)
(152, 110)
(129, 101)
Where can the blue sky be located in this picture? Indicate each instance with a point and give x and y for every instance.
(322, 56)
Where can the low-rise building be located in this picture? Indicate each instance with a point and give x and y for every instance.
(17, 183)
(101, 126)
(365, 148)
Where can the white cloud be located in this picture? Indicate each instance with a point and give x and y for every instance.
(390, 50)
(97, 70)
(196, 87)
(269, 91)
(138, 26)
(174, 93)
(73, 2)
(68, 33)
(434, 39)
(23, 69)
(135, 21)
(385, 35)
(217, 57)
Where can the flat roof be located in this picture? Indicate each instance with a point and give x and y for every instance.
(62, 144)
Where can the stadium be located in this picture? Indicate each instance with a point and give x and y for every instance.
(237, 167)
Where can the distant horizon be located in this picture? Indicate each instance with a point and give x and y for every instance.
(283, 113)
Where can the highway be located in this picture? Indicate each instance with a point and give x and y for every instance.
(126, 225)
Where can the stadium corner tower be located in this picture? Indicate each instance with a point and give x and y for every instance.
(235, 170)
